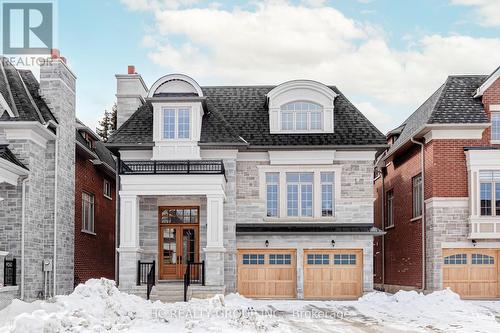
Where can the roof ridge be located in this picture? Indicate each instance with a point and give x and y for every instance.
(30, 97)
(438, 99)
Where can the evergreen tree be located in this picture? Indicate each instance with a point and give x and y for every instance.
(113, 119)
(104, 128)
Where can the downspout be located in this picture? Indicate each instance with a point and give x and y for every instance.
(422, 172)
(383, 226)
(117, 219)
(23, 222)
(56, 176)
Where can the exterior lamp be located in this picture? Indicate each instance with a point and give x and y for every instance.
(267, 243)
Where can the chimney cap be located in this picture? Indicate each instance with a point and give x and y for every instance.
(56, 54)
(131, 69)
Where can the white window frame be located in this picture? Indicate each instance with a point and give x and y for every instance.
(332, 183)
(417, 196)
(495, 128)
(308, 112)
(272, 183)
(88, 226)
(493, 184)
(299, 184)
(176, 110)
(106, 185)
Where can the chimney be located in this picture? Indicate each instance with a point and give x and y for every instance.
(131, 92)
(57, 87)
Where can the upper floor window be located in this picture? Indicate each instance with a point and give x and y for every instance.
(299, 187)
(272, 193)
(390, 209)
(417, 195)
(327, 194)
(87, 212)
(489, 187)
(107, 189)
(495, 126)
(301, 116)
(176, 123)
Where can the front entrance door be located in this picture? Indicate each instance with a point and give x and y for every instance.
(178, 240)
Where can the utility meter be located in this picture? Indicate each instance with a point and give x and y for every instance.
(47, 265)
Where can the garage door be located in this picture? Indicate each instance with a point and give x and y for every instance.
(267, 273)
(333, 274)
(471, 273)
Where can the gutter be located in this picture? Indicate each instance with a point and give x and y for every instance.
(422, 172)
(23, 224)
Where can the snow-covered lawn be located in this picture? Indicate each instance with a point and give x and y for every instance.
(98, 306)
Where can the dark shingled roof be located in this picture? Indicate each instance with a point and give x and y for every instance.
(103, 153)
(239, 115)
(6, 154)
(20, 89)
(452, 103)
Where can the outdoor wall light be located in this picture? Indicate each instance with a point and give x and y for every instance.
(267, 243)
(333, 243)
(474, 242)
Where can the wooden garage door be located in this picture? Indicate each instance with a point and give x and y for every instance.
(333, 274)
(267, 273)
(471, 273)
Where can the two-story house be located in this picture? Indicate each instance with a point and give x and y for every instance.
(437, 191)
(263, 190)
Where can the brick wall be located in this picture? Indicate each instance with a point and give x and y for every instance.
(94, 254)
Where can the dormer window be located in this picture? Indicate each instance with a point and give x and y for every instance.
(301, 116)
(176, 123)
(301, 106)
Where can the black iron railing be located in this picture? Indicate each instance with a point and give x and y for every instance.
(9, 272)
(202, 167)
(195, 274)
(146, 275)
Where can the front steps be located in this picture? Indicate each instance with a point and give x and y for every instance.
(167, 292)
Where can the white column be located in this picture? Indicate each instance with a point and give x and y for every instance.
(129, 249)
(214, 251)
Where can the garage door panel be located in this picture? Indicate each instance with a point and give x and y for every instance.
(472, 273)
(333, 274)
(273, 275)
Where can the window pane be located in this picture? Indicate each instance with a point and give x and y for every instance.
(301, 121)
(327, 193)
(272, 196)
(184, 123)
(287, 121)
(485, 199)
(292, 200)
(417, 196)
(495, 126)
(292, 177)
(316, 121)
(390, 208)
(306, 199)
(168, 123)
(497, 199)
(306, 177)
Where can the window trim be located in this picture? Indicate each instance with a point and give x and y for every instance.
(277, 192)
(493, 192)
(90, 229)
(308, 112)
(389, 211)
(299, 195)
(176, 109)
(332, 183)
(110, 196)
(416, 202)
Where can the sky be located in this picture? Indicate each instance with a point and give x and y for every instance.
(386, 56)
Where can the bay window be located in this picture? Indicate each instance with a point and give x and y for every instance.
(489, 191)
(176, 123)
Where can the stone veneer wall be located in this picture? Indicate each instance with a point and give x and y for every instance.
(446, 221)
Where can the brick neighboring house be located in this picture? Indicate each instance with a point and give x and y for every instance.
(443, 168)
(269, 187)
(95, 207)
(37, 171)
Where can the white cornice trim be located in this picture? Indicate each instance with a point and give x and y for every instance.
(307, 84)
(10, 172)
(362, 155)
(493, 77)
(293, 157)
(230, 154)
(27, 130)
(5, 106)
(454, 134)
(170, 77)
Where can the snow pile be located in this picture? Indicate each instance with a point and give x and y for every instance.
(440, 310)
(98, 306)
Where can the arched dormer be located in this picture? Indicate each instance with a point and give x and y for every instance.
(301, 106)
(177, 116)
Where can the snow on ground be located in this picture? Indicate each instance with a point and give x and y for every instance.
(98, 306)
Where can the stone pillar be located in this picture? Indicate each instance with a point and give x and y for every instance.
(129, 249)
(214, 251)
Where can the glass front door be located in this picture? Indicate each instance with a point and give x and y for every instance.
(178, 240)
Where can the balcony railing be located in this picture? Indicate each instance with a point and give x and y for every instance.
(202, 167)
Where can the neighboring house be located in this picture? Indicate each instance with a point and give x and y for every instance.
(95, 207)
(270, 186)
(37, 121)
(438, 193)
